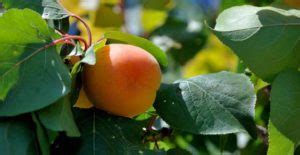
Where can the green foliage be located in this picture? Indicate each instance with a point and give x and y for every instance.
(59, 117)
(41, 136)
(183, 31)
(285, 98)
(52, 10)
(36, 75)
(279, 144)
(35, 5)
(17, 137)
(141, 42)
(89, 55)
(102, 133)
(205, 104)
(265, 38)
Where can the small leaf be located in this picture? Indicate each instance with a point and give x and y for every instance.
(62, 25)
(36, 75)
(285, 104)
(89, 56)
(17, 138)
(52, 10)
(35, 5)
(219, 103)
(105, 134)
(278, 143)
(59, 117)
(140, 42)
(41, 136)
(265, 38)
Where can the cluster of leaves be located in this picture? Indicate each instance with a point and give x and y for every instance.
(266, 40)
(38, 87)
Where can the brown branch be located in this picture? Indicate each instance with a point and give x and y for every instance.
(262, 133)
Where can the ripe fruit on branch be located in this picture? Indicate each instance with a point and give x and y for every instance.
(124, 80)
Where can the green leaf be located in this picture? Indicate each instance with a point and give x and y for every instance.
(231, 3)
(89, 56)
(59, 117)
(52, 10)
(35, 5)
(140, 42)
(36, 75)
(265, 38)
(278, 143)
(62, 25)
(17, 138)
(285, 104)
(219, 103)
(105, 134)
(41, 136)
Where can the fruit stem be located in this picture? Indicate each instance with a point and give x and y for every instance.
(151, 122)
(86, 27)
(69, 42)
(101, 39)
(66, 39)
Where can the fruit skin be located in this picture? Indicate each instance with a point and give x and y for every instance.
(124, 80)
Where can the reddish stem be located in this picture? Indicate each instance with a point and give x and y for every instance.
(101, 39)
(86, 26)
(66, 39)
(151, 122)
(70, 42)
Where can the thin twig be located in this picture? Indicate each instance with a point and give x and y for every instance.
(86, 27)
(263, 134)
(68, 37)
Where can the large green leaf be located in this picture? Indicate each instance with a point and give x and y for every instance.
(285, 104)
(59, 117)
(35, 5)
(219, 103)
(36, 75)
(265, 38)
(52, 10)
(17, 138)
(141, 42)
(105, 134)
(278, 143)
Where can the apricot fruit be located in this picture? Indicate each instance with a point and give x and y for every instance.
(124, 80)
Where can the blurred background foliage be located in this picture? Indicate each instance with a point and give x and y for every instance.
(180, 28)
